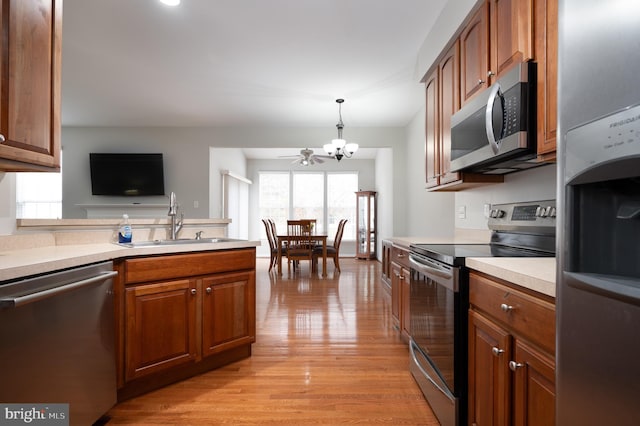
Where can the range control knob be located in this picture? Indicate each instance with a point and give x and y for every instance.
(496, 213)
(543, 211)
(552, 212)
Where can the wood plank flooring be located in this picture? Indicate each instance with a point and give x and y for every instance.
(326, 354)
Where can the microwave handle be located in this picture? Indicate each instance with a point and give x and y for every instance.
(495, 91)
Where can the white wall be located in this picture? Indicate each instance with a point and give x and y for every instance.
(451, 17)
(366, 170)
(426, 213)
(531, 185)
(220, 159)
(187, 155)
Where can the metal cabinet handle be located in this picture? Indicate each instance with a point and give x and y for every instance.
(2, 139)
(513, 366)
(480, 82)
(208, 290)
(490, 73)
(401, 277)
(497, 351)
(193, 291)
(506, 308)
(401, 256)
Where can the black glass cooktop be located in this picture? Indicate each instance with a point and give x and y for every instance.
(454, 254)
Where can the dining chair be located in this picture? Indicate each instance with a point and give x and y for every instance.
(333, 251)
(299, 245)
(273, 243)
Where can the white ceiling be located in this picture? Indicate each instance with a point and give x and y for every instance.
(270, 63)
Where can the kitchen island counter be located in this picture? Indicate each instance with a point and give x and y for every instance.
(15, 264)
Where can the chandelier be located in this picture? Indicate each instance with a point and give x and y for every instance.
(339, 148)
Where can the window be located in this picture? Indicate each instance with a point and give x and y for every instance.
(341, 202)
(308, 197)
(39, 195)
(324, 196)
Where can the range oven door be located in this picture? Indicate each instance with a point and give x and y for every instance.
(438, 354)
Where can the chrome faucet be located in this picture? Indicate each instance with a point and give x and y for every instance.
(176, 225)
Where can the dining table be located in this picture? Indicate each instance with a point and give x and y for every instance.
(320, 237)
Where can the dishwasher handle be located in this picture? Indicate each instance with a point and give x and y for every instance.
(16, 302)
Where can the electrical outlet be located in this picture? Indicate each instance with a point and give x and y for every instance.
(462, 212)
(487, 210)
(196, 204)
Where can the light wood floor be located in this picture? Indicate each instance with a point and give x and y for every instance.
(326, 354)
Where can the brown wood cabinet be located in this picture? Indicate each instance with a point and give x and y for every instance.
(386, 263)
(400, 290)
(474, 54)
(366, 221)
(442, 91)
(511, 35)
(30, 85)
(546, 55)
(511, 355)
(496, 35)
(179, 311)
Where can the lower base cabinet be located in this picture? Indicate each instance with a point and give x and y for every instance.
(183, 314)
(400, 290)
(511, 356)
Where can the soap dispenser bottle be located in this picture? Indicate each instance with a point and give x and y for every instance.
(124, 232)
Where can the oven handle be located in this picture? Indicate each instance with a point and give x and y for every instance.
(412, 351)
(434, 270)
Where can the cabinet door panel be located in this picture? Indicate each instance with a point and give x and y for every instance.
(534, 393)
(405, 322)
(474, 54)
(432, 128)
(396, 272)
(160, 326)
(511, 34)
(449, 103)
(546, 55)
(489, 385)
(30, 108)
(228, 312)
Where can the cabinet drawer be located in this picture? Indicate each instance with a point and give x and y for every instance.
(400, 256)
(527, 315)
(183, 265)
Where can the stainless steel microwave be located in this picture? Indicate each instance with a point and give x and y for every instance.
(495, 132)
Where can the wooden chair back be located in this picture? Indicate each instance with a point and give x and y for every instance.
(338, 239)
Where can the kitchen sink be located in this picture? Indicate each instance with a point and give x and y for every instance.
(179, 241)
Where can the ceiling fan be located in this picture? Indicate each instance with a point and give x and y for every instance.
(307, 157)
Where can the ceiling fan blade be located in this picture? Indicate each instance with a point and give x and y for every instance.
(317, 159)
(289, 156)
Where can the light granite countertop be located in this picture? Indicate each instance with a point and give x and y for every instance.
(534, 273)
(15, 264)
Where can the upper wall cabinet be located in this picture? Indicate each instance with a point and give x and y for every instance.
(474, 54)
(497, 36)
(442, 91)
(546, 55)
(30, 85)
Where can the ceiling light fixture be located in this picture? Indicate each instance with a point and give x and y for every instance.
(339, 148)
(170, 2)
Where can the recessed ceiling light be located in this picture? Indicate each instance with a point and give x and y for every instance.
(170, 2)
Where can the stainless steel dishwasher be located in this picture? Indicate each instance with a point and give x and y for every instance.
(57, 341)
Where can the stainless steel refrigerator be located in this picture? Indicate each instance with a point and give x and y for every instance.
(598, 296)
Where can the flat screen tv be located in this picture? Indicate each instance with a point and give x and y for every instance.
(126, 174)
